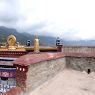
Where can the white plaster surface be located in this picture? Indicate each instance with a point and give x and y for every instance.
(68, 82)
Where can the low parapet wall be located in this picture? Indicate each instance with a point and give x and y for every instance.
(80, 57)
(41, 72)
(79, 49)
(80, 61)
(35, 69)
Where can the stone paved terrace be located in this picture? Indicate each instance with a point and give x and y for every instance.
(68, 82)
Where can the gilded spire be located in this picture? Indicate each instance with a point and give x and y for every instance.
(36, 44)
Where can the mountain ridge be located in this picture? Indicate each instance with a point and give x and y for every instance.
(22, 37)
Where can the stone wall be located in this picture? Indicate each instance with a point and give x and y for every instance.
(79, 49)
(39, 73)
(81, 63)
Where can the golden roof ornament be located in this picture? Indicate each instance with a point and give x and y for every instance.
(36, 44)
(11, 40)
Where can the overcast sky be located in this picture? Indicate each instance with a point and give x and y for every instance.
(70, 19)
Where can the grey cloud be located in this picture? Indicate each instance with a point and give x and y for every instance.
(9, 12)
(37, 26)
(8, 18)
(41, 29)
(11, 16)
(71, 35)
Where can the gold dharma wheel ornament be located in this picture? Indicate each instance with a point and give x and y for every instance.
(11, 40)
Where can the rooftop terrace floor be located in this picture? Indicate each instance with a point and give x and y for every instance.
(68, 82)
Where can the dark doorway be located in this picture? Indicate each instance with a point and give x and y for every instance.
(88, 71)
